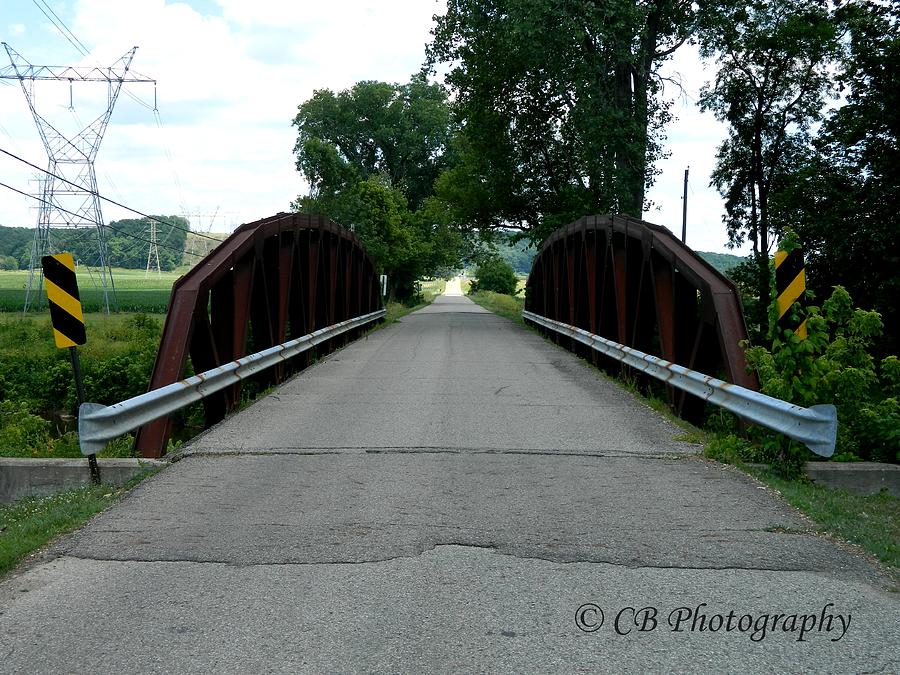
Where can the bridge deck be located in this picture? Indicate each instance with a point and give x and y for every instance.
(441, 496)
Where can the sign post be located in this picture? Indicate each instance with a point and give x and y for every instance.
(790, 286)
(68, 321)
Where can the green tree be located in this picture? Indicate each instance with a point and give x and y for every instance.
(558, 105)
(374, 128)
(128, 241)
(378, 213)
(371, 155)
(843, 201)
(773, 58)
(494, 274)
(16, 243)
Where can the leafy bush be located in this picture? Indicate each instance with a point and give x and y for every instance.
(834, 365)
(21, 433)
(494, 274)
(731, 449)
(37, 386)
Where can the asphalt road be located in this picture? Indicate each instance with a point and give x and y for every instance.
(451, 494)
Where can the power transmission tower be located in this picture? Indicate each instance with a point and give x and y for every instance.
(191, 241)
(153, 253)
(69, 196)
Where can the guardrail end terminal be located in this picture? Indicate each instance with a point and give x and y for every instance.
(828, 414)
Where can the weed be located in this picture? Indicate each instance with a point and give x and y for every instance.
(28, 524)
(872, 521)
(731, 449)
(507, 306)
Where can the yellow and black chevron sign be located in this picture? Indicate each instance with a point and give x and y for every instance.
(790, 286)
(65, 305)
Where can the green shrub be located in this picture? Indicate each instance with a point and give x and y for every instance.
(834, 365)
(494, 274)
(37, 385)
(21, 433)
(731, 449)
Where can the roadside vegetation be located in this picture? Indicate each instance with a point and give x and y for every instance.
(31, 523)
(508, 306)
(37, 390)
(870, 521)
(833, 364)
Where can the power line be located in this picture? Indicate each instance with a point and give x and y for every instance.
(78, 44)
(84, 50)
(154, 249)
(111, 227)
(61, 27)
(106, 199)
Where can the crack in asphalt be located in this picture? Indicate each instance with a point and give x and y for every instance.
(493, 550)
(386, 450)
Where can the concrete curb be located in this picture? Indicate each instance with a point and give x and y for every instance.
(23, 477)
(861, 478)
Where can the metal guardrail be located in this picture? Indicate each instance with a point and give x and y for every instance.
(98, 424)
(816, 427)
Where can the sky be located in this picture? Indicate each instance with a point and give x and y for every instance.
(230, 75)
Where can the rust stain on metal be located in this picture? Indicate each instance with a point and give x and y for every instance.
(272, 280)
(646, 290)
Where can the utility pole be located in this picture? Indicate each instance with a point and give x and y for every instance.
(684, 208)
(69, 198)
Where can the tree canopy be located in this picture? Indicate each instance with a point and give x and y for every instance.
(554, 110)
(772, 80)
(558, 105)
(843, 198)
(374, 128)
(371, 155)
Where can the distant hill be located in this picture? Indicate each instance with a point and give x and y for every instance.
(15, 247)
(520, 257)
(721, 261)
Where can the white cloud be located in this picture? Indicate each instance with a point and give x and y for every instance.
(229, 82)
(692, 139)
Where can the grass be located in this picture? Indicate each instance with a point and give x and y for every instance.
(30, 523)
(125, 279)
(872, 522)
(135, 291)
(507, 306)
(108, 335)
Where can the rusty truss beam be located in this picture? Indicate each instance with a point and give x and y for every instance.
(636, 284)
(271, 281)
